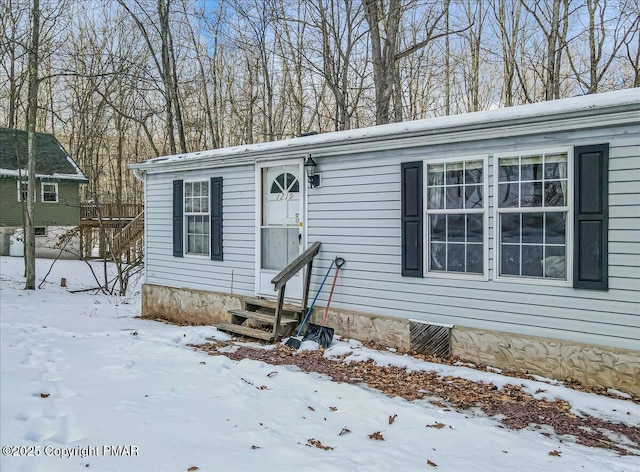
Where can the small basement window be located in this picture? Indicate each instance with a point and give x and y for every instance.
(41, 230)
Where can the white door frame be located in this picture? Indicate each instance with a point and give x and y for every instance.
(302, 178)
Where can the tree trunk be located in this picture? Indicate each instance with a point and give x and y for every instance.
(163, 13)
(383, 53)
(29, 229)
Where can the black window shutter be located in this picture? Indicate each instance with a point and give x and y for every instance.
(412, 219)
(216, 218)
(177, 218)
(591, 221)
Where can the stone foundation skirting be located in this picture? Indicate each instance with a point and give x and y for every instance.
(186, 306)
(598, 366)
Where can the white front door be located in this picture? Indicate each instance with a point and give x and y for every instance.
(281, 225)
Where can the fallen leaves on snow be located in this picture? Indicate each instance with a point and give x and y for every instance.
(515, 408)
(437, 425)
(316, 443)
(377, 436)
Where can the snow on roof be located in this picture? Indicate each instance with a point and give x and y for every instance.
(485, 119)
(55, 175)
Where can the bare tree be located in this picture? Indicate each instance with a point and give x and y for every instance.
(165, 65)
(12, 54)
(32, 110)
(340, 26)
(384, 33)
(591, 69)
(199, 75)
(632, 54)
(552, 17)
(507, 17)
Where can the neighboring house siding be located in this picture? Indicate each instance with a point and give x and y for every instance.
(356, 215)
(235, 273)
(66, 212)
(10, 209)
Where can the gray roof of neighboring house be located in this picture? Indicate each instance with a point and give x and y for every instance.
(51, 158)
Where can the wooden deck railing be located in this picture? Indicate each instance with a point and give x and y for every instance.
(110, 210)
(280, 282)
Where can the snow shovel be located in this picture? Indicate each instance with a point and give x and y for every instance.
(322, 334)
(295, 342)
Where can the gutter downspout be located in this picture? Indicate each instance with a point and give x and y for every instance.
(141, 175)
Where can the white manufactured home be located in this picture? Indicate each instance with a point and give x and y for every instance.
(515, 232)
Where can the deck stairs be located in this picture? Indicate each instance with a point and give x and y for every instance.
(127, 238)
(256, 319)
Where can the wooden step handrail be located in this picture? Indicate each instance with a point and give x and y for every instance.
(294, 267)
(280, 282)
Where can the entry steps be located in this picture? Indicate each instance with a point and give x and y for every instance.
(257, 318)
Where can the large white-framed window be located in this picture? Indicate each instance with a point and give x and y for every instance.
(49, 192)
(533, 216)
(197, 217)
(456, 216)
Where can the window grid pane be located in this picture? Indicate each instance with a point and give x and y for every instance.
(533, 181)
(533, 240)
(536, 250)
(455, 216)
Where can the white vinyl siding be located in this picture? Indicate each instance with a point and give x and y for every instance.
(233, 275)
(356, 214)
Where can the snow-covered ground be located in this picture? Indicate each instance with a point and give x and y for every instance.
(81, 377)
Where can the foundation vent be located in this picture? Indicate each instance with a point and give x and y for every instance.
(430, 339)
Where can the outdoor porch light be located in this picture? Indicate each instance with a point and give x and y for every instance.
(310, 166)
